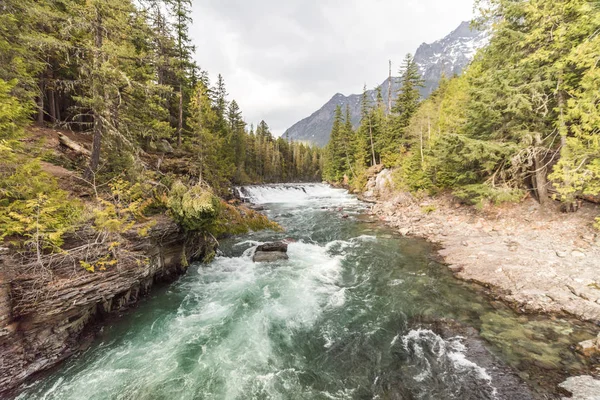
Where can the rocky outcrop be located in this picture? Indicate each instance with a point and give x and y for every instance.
(270, 252)
(379, 183)
(45, 310)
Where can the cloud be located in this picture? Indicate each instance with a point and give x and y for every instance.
(282, 60)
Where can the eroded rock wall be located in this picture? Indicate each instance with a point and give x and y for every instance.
(44, 312)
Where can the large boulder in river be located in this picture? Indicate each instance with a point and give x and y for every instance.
(273, 246)
(269, 256)
(269, 252)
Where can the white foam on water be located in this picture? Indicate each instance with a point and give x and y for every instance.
(226, 319)
(396, 282)
(364, 238)
(451, 350)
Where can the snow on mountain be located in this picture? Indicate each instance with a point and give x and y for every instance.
(448, 56)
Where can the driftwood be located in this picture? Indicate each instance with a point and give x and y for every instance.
(72, 145)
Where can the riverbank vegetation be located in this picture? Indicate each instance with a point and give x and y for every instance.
(142, 129)
(524, 117)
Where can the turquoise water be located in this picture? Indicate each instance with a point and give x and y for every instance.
(346, 317)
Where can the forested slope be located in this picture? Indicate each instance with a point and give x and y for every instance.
(525, 116)
(122, 73)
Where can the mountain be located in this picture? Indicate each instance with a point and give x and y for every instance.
(448, 56)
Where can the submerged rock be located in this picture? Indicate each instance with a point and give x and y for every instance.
(451, 352)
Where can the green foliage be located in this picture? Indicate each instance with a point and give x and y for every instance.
(335, 155)
(123, 71)
(410, 176)
(13, 113)
(476, 194)
(195, 208)
(403, 110)
(123, 208)
(428, 209)
(578, 170)
(32, 207)
(529, 99)
(237, 220)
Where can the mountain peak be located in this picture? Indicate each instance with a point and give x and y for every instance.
(447, 56)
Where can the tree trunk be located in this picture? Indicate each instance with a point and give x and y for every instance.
(180, 119)
(52, 103)
(372, 146)
(422, 155)
(97, 141)
(390, 89)
(541, 183)
(40, 103)
(57, 107)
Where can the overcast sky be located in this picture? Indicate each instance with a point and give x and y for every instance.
(283, 59)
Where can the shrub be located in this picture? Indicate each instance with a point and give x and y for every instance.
(33, 207)
(476, 194)
(195, 208)
(428, 209)
(236, 220)
(123, 208)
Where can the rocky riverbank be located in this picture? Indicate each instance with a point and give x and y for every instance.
(45, 310)
(537, 260)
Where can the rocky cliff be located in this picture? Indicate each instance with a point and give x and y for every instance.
(446, 57)
(46, 309)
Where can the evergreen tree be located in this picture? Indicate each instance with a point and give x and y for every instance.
(237, 128)
(181, 11)
(403, 109)
(335, 149)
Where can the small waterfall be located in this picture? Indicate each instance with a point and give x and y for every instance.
(294, 194)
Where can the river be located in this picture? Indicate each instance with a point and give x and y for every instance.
(357, 312)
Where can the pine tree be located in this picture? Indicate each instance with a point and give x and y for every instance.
(206, 142)
(181, 11)
(404, 108)
(237, 128)
(335, 149)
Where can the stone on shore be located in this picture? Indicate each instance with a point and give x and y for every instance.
(590, 348)
(582, 388)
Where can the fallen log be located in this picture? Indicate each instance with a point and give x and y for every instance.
(73, 145)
